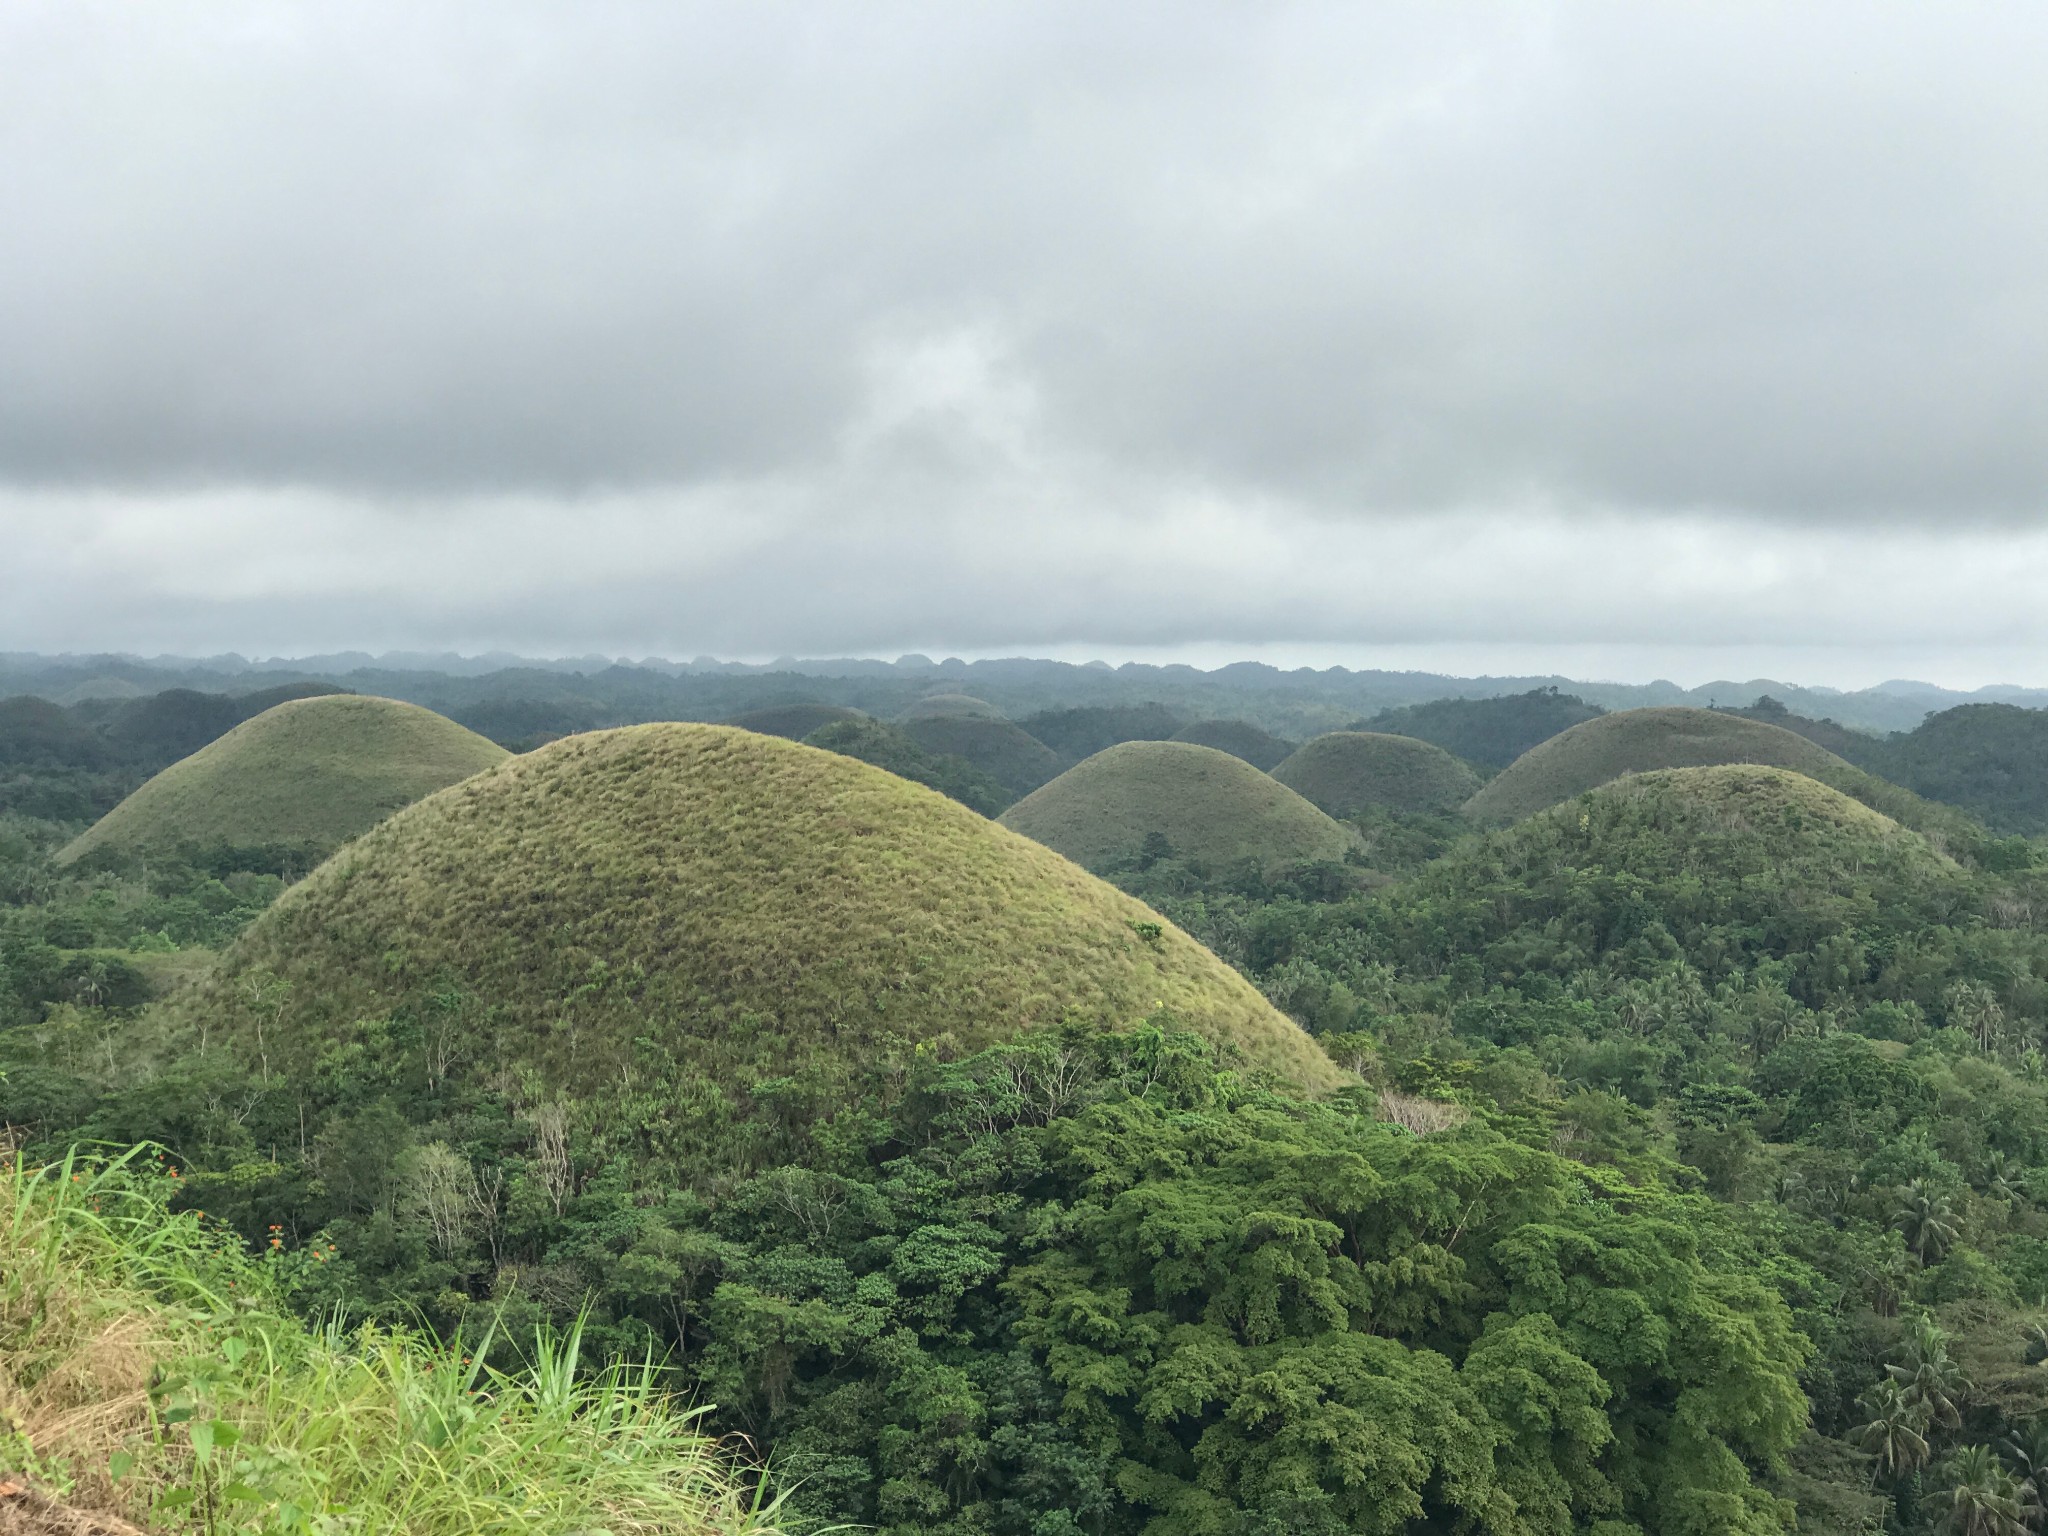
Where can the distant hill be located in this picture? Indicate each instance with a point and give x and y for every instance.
(743, 923)
(793, 721)
(1169, 797)
(1240, 738)
(164, 727)
(1489, 733)
(1079, 733)
(35, 733)
(1990, 759)
(1346, 772)
(894, 750)
(950, 705)
(309, 773)
(1005, 752)
(1859, 747)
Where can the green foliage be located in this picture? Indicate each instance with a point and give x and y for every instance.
(1079, 733)
(793, 721)
(311, 772)
(1349, 772)
(894, 751)
(950, 706)
(1262, 749)
(1991, 759)
(1490, 733)
(1206, 805)
(996, 748)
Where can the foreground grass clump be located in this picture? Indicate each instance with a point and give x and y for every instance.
(148, 1375)
(1346, 772)
(1174, 799)
(1240, 738)
(712, 909)
(310, 772)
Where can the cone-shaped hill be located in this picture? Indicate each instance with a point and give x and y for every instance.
(310, 773)
(1210, 807)
(719, 912)
(793, 721)
(1240, 738)
(939, 706)
(1642, 741)
(1346, 772)
(1014, 758)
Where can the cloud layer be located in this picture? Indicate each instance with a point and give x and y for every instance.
(779, 327)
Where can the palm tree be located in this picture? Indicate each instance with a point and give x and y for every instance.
(1927, 1379)
(1892, 1434)
(1984, 1499)
(2000, 1181)
(1928, 1221)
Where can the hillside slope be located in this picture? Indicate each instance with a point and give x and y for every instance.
(1346, 772)
(1208, 806)
(1991, 759)
(310, 772)
(717, 909)
(1490, 733)
(1006, 752)
(1641, 741)
(1240, 738)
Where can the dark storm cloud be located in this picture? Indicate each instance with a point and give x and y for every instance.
(1776, 262)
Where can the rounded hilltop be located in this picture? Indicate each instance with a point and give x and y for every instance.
(942, 706)
(1240, 738)
(793, 722)
(1005, 751)
(1208, 806)
(308, 773)
(1642, 741)
(1346, 772)
(719, 908)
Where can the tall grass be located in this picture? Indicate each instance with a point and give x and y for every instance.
(147, 1372)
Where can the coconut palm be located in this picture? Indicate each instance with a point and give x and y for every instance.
(1984, 1498)
(1928, 1221)
(1892, 1435)
(1927, 1378)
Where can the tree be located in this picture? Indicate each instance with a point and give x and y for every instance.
(1984, 1498)
(1928, 1380)
(1892, 1434)
(1928, 1221)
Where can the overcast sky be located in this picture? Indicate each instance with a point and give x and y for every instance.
(1604, 338)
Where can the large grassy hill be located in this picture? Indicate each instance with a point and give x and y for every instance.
(1991, 759)
(1488, 732)
(1006, 752)
(1346, 772)
(1209, 807)
(715, 912)
(1640, 741)
(1240, 738)
(308, 773)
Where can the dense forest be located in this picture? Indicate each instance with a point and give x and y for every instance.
(1685, 1168)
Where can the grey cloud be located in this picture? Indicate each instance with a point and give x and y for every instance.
(1777, 262)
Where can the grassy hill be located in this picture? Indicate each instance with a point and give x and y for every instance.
(717, 911)
(1991, 759)
(310, 773)
(1240, 738)
(894, 750)
(1640, 741)
(1346, 772)
(1006, 752)
(1209, 807)
(945, 705)
(1490, 733)
(793, 721)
